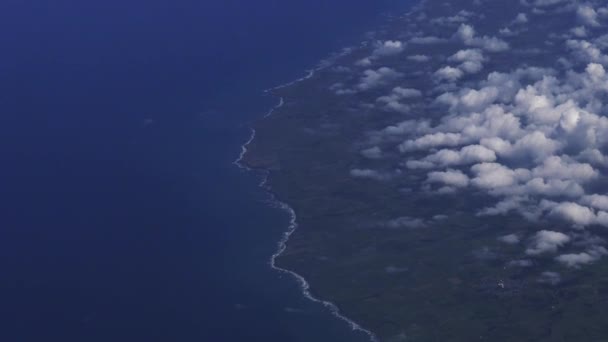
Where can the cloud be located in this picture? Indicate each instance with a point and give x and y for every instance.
(466, 34)
(460, 17)
(419, 58)
(494, 175)
(551, 188)
(375, 78)
(551, 278)
(511, 239)
(521, 18)
(579, 31)
(399, 93)
(431, 140)
(586, 51)
(576, 260)
(539, 126)
(471, 154)
(453, 178)
(365, 62)
(520, 263)
(596, 71)
(543, 3)
(503, 207)
(507, 32)
(449, 73)
(596, 201)
(587, 15)
(555, 167)
(471, 60)
(406, 222)
(471, 99)
(467, 55)
(369, 174)
(535, 145)
(372, 152)
(388, 48)
(575, 213)
(547, 241)
(601, 41)
(406, 93)
(395, 270)
(394, 100)
(531, 139)
(426, 40)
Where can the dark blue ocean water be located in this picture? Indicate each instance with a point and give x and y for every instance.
(122, 217)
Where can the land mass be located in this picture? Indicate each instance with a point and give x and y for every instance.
(411, 254)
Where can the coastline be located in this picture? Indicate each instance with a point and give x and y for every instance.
(277, 202)
(372, 233)
(293, 225)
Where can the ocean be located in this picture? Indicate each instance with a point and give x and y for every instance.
(123, 216)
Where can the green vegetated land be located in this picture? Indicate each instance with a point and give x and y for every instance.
(406, 263)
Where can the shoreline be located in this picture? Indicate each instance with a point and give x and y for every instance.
(433, 275)
(304, 285)
(293, 225)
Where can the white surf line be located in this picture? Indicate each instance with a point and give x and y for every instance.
(309, 74)
(238, 161)
(282, 244)
(304, 286)
(323, 64)
(279, 105)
